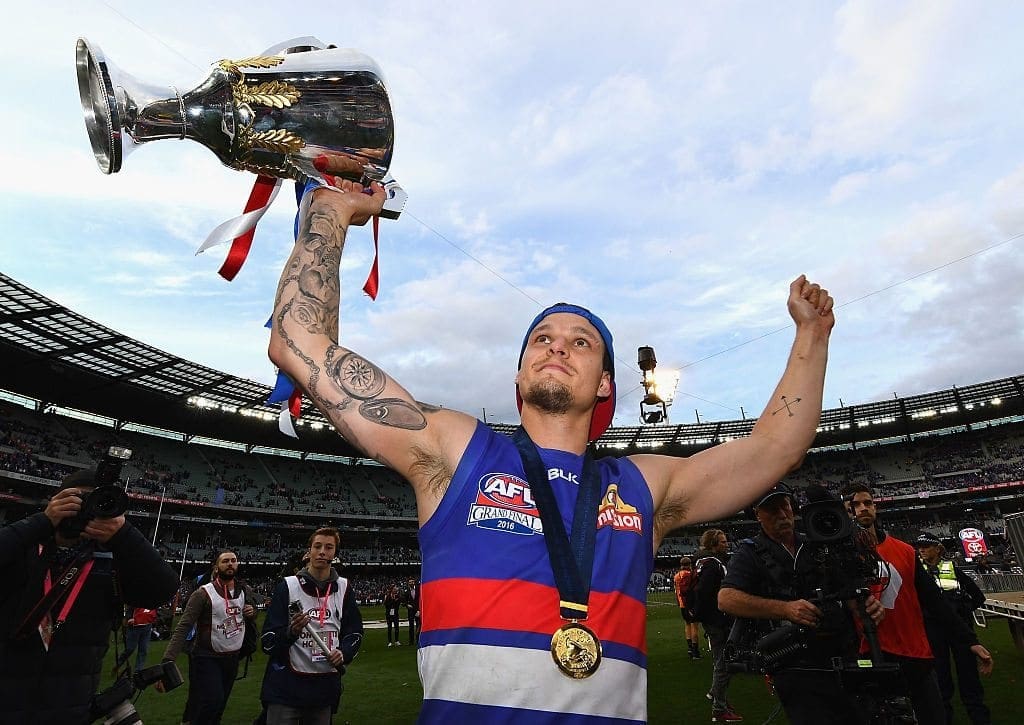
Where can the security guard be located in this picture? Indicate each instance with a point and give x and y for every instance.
(964, 596)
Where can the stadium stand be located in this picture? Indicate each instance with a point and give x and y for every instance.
(210, 468)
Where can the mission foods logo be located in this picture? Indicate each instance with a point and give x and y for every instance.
(505, 503)
(617, 513)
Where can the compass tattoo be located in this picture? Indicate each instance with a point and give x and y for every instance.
(355, 375)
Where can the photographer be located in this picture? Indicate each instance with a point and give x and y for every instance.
(302, 684)
(223, 614)
(51, 651)
(763, 583)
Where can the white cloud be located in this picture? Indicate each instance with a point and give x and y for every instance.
(671, 169)
(854, 183)
(881, 73)
(1006, 197)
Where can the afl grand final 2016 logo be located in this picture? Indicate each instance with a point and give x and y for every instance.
(505, 503)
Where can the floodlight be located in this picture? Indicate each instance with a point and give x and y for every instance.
(653, 408)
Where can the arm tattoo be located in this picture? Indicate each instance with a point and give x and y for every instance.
(355, 375)
(786, 403)
(314, 369)
(393, 412)
(314, 269)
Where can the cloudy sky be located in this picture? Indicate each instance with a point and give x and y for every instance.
(672, 167)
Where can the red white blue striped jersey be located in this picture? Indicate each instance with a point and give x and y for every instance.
(490, 605)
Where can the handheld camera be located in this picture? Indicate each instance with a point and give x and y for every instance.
(107, 500)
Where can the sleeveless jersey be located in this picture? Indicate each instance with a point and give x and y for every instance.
(227, 627)
(902, 631)
(305, 656)
(490, 605)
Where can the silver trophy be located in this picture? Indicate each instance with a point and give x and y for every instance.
(297, 114)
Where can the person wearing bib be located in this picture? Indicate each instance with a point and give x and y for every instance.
(220, 610)
(302, 683)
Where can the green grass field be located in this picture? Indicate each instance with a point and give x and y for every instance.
(382, 685)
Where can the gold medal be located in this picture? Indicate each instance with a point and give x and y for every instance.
(576, 650)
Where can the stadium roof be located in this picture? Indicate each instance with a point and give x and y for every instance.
(57, 355)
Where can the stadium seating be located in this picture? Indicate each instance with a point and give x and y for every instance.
(237, 488)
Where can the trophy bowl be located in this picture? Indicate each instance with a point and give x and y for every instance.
(298, 114)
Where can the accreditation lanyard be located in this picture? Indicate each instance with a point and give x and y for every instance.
(48, 628)
(323, 603)
(226, 596)
(572, 556)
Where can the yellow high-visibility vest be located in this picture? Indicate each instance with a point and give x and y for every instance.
(945, 577)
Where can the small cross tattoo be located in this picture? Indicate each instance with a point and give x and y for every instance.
(785, 405)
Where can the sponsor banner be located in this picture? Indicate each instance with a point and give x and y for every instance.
(989, 486)
(150, 497)
(973, 541)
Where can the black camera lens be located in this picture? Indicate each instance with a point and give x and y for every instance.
(828, 524)
(826, 521)
(106, 502)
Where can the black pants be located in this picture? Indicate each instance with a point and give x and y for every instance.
(972, 693)
(813, 698)
(394, 624)
(923, 688)
(413, 617)
(210, 680)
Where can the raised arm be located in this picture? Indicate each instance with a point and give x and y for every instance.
(369, 409)
(718, 482)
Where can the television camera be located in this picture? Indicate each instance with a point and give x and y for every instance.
(834, 567)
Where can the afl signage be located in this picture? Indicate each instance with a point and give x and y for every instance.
(973, 541)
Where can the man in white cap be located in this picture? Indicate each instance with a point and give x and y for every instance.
(533, 551)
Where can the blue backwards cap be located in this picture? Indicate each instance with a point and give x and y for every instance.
(605, 408)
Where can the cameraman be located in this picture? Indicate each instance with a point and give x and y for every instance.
(50, 663)
(302, 685)
(762, 584)
(964, 596)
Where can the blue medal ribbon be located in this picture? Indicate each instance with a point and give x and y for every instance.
(572, 556)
